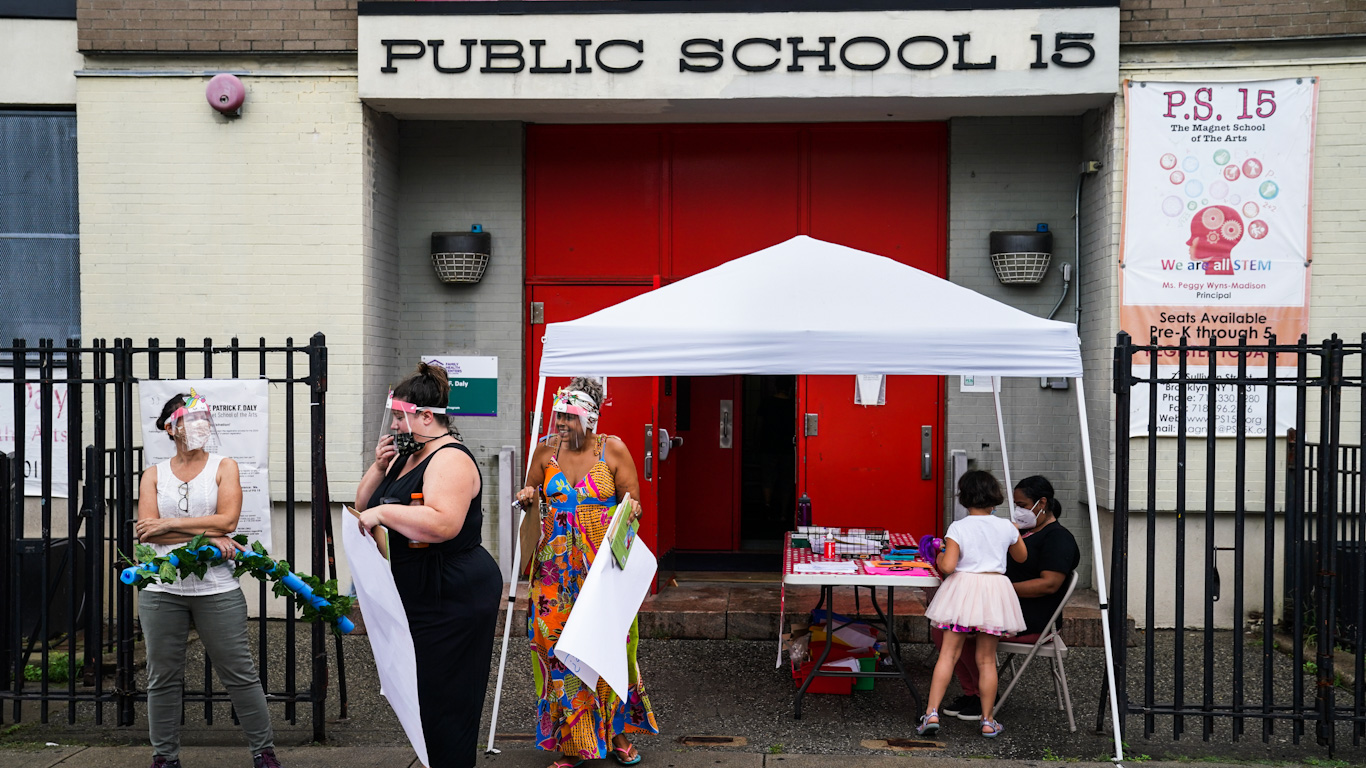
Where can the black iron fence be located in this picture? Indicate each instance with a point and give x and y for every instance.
(68, 629)
(1271, 655)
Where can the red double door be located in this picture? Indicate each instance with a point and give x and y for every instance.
(614, 211)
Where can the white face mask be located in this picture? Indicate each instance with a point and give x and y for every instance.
(197, 432)
(1024, 517)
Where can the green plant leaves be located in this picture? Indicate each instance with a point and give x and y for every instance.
(191, 562)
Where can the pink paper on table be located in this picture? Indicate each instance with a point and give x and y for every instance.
(876, 571)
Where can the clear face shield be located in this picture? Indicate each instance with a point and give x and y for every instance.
(192, 425)
(580, 416)
(407, 426)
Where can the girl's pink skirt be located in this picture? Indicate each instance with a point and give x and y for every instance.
(976, 602)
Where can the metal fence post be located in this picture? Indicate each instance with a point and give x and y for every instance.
(317, 379)
(1119, 541)
(124, 690)
(8, 609)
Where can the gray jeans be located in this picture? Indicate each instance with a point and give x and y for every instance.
(222, 623)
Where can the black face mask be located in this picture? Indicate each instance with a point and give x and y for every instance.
(406, 444)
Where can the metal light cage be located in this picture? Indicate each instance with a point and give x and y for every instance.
(1021, 268)
(460, 267)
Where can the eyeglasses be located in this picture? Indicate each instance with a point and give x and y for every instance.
(185, 498)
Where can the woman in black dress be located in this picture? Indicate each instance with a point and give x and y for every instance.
(449, 583)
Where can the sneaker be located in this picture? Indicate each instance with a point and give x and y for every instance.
(265, 760)
(954, 707)
(161, 762)
(971, 710)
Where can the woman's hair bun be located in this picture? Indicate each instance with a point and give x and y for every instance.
(434, 371)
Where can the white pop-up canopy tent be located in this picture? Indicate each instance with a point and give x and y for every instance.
(806, 306)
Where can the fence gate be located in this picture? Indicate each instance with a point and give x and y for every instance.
(68, 630)
(1278, 497)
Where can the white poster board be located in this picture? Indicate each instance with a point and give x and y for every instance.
(241, 418)
(593, 641)
(33, 432)
(386, 625)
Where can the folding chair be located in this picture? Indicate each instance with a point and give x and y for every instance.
(1049, 644)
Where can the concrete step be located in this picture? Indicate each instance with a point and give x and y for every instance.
(710, 610)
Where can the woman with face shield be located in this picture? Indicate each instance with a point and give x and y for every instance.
(581, 475)
(1039, 581)
(425, 488)
(196, 492)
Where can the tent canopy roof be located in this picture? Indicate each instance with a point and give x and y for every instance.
(806, 306)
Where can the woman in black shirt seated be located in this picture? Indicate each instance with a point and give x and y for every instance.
(1040, 581)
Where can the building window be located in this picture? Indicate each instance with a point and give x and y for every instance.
(40, 268)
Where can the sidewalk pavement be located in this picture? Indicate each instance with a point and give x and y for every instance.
(705, 690)
(402, 757)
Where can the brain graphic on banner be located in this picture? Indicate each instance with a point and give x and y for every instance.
(1216, 236)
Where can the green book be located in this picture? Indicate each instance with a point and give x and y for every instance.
(621, 532)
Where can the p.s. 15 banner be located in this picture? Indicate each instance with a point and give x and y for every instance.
(1216, 241)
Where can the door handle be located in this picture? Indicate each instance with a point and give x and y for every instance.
(926, 452)
(649, 451)
(667, 443)
(727, 423)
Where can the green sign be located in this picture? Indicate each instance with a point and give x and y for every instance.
(474, 384)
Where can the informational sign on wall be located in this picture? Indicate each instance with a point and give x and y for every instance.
(241, 420)
(33, 433)
(474, 383)
(1216, 235)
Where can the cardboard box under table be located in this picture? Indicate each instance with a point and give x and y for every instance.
(803, 566)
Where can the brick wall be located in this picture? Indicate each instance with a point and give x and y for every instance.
(1159, 21)
(1014, 173)
(381, 288)
(196, 225)
(214, 26)
(453, 175)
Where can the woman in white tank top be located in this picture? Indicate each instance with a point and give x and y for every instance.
(196, 492)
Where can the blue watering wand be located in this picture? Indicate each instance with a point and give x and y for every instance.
(263, 565)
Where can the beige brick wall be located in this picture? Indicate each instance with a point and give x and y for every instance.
(1157, 21)
(196, 225)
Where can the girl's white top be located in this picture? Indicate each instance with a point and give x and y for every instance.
(201, 495)
(983, 541)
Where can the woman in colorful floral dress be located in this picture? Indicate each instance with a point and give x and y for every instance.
(580, 722)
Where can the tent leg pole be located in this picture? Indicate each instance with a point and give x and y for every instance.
(516, 558)
(1001, 430)
(1099, 565)
(507, 627)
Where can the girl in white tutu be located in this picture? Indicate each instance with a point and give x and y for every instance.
(976, 597)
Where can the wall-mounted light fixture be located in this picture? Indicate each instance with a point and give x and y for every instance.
(1021, 257)
(461, 257)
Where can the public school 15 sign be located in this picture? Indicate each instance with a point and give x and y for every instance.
(1216, 231)
(463, 53)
